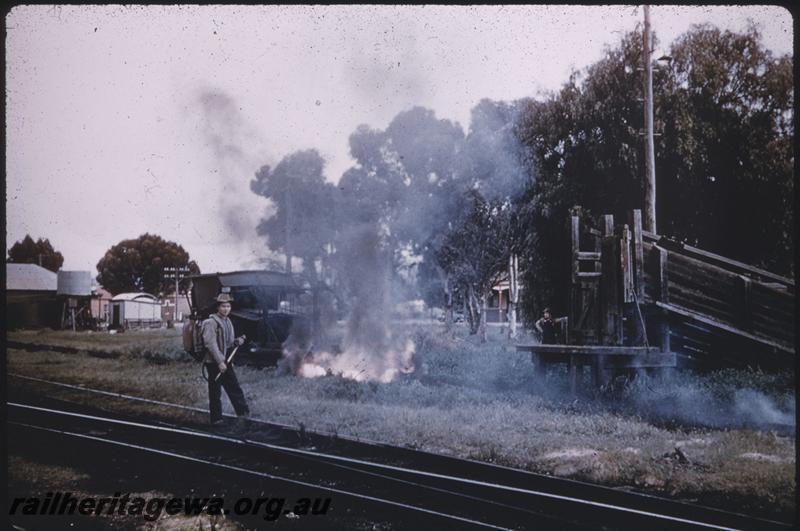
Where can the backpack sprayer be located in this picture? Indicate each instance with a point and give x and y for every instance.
(193, 336)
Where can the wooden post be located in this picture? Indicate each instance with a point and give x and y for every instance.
(575, 288)
(663, 295)
(638, 252)
(649, 145)
(572, 370)
(513, 295)
(576, 247)
(538, 366)
(608, 225)
(625, 263)
(600, 375)
(598, 243)
(612, 318)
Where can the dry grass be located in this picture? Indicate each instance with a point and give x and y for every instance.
(483, 402)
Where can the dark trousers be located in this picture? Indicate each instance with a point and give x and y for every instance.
(229, 381)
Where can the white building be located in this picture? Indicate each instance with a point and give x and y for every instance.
(131, 310)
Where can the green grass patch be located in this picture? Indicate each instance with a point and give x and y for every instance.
(482, 401)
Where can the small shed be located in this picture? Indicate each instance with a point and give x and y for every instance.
(31, 300)
(101, 303)
(497, 303)
(132, 310)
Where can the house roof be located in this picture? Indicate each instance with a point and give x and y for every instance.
(144, 297)
(99, 291)
(30, 277)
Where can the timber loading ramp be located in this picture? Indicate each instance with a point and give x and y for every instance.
(367, 482)
(640, 300)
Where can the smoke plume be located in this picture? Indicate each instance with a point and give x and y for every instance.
(233, 145)
(371, 348)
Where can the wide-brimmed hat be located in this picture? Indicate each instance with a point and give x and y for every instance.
(224, 296)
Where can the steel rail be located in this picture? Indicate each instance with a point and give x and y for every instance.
(378, 445)
(261, 474)
(317, 457)
(320, 455)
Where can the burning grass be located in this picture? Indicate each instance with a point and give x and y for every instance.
(484, 402)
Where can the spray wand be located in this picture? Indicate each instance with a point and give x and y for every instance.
(228, 361)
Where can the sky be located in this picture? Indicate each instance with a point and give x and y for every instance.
(122, 120)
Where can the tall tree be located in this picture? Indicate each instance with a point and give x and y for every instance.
(138, 265)
(475, 254)
(302, 223)
(727, 152)
(41, 252)
(723, 161)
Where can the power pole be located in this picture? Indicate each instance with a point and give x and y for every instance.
(177, 274)
(649, 145)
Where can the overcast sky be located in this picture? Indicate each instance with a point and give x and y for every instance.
(125, 120)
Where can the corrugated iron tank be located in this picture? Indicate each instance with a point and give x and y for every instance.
(74, 283)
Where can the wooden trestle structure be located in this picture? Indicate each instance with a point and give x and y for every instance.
(642, 301)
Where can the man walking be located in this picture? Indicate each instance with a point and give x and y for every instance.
(218, 337)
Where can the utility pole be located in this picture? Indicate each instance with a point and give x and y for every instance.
(649, 145)
(175, 312)
(177, 274)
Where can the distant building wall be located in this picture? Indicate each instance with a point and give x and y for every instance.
(31, 300)
(168, 307)
(32, 309)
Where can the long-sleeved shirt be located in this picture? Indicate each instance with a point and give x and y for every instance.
(216, 346)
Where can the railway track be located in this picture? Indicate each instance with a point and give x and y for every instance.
(438, 490)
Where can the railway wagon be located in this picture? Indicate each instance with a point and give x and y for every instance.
(135, 310)
(267, 305)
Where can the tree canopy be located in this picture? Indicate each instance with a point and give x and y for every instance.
(448, 208)
(41, 252)
(724, 179)
(138, 265)
(302, 224)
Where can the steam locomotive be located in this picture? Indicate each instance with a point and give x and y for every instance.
(267, 305)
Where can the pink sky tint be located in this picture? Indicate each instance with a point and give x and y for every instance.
(110, 133)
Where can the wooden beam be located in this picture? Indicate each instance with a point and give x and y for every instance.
(745, 302)
(638, 252)
(598, 249)
(576, 246)
(609, 286)
(585, 349)
(626, 266)
(722, 326)
(661, 274)
(663, 295)
(604, 361)
(608, 225)
(721, 261)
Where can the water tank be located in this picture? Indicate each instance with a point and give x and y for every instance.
(75, 283)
